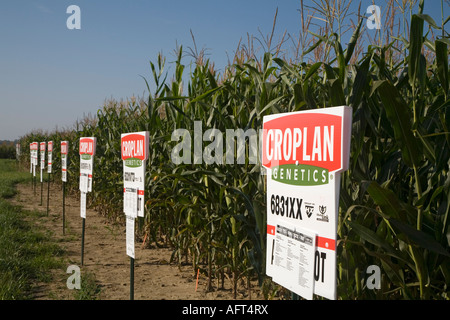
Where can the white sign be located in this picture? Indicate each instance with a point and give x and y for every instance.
(134, 150)
(42, 149)
(33, 157)
(304, 154)
(293, 252)
(87, 151)
(17, 151)
(49, 156)
(64, 159)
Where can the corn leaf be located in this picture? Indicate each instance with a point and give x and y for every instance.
(397, 113)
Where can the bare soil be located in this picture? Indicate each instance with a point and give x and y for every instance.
(105, 258)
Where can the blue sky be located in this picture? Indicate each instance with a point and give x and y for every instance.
(51, 76)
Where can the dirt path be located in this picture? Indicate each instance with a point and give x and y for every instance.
(105, 256)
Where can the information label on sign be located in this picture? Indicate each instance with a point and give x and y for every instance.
(130, 236)
(293, 255)
(130, 203)
(83, 205)
(134, 150)
(64, 159)
(84, 182)
(304, 154)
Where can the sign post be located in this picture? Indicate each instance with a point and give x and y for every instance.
(305, 153)
(134, 151)
(49, 169)
(87, 151)
(64, 162)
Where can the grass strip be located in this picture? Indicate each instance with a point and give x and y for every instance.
(26, 253)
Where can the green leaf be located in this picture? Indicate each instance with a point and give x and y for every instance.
(205, 95)
(352, 43)
(428, 149)
(314, 46)
(429, 20)
(446, 20)
(387, 200)
(415, 48)
(337, 93)
(270, 105)
(340, 59)
(360, 82)
(398, 115)
(419, 237)
(370, 236)
(312, 70)
(298, 96)
(442, 65)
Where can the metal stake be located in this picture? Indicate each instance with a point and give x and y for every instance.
(82, 240)
(42, 186)
(48, 191)
(64, 207)
(131, 278)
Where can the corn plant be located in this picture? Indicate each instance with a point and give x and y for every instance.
(395, 198)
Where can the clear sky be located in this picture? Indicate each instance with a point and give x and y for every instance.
(51, 76)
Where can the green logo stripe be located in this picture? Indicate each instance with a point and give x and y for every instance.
(86, 156)
(300, 175)
(133, 162)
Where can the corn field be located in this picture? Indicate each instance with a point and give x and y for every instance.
(395, 198)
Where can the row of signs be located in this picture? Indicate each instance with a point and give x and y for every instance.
(42, 147)
(304, 154)
(134, 152)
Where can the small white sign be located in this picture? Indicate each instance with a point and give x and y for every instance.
(42, 148)
(87, 152)
(131, 202)
(49, 156)
(293, 259)
(64, 159)
(17, 151)
(130, 236)
(33, 157)
(134, 150)
(83, 205)
(84, 182)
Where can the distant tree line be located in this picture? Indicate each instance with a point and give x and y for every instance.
(7, 150)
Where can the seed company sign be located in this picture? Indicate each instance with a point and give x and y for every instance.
(134, 151)
(304, 154)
